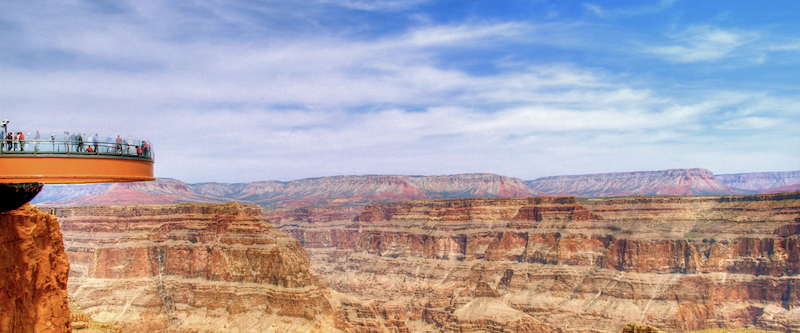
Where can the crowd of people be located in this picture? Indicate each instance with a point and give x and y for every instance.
(15, 141)
(75, 142)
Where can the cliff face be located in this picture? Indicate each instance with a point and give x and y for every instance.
(33, 278)
(191, 268)
(678, 263)
(666, 182)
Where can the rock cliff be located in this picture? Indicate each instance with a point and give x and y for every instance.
(33, 273)
(547, 264)
(191, 268)
(666, 182)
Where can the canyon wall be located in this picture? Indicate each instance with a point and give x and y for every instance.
(591, 265)
(192, 268)
(33, 273)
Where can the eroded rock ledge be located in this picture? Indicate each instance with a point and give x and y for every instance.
(191, 268)
(594, 265)
(33, 273)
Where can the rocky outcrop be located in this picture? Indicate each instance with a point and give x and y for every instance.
(592, 265)
(82, 323)
(34, 273)
(640, 328)
(191, 268)
(666, 182)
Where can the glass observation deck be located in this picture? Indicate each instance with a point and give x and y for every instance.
(64, 162)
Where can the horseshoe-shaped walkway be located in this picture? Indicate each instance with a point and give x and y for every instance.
(65, 162)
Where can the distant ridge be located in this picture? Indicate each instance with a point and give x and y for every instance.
(665, 182)
(359, 190)
(763, 182)
(340, 190)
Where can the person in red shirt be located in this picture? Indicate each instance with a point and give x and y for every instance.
(119, 145)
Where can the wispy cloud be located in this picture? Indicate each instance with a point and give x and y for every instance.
(378, 5)
(467, 34)
(703, 43)
(602, 12)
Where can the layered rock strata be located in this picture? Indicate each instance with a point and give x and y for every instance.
(594, 265)
(760, 181)
(665, 182)
(359, 190)
(191, 268)
(33, 273)
(338, 190)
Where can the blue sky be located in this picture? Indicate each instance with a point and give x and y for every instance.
(240, 91)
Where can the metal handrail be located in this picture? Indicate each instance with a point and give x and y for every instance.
(61, 147)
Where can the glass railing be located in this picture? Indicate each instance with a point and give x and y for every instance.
(139, 149)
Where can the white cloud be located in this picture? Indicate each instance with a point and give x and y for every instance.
(463, 35)
(595, 9)
(750, 123)
(703, 43)
(599, 11)
(222, 104)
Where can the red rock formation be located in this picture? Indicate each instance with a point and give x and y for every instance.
(594, 265)
(33, 278)
(191, 268)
